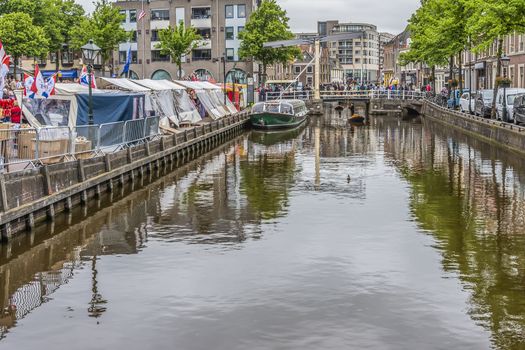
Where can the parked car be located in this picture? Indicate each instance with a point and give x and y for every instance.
(464, 102)
(453, 99)
(511, 95)
(483, 104)
(518, 114)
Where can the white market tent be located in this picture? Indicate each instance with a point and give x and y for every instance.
(169, 93)
(218, 95)
(68, 106)
(123, 84)
(215, 110)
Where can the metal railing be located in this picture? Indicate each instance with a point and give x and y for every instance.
(347, 94)
(23, 148)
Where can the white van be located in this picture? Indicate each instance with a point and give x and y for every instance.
(511, 95)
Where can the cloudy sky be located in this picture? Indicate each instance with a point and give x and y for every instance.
(389, 15)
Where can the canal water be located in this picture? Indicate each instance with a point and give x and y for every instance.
(392, 235)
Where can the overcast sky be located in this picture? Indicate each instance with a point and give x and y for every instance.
(389, 15)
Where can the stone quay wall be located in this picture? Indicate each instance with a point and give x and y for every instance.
(509, 136)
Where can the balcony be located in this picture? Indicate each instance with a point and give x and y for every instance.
(201, 22)
(204, 44)
(201, 17)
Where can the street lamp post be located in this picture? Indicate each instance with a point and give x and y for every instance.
(224, 76)
(505, 63)
(90, 52)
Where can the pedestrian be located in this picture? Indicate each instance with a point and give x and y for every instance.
(16, 113)
(352, 109)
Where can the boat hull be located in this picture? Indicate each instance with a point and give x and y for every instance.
(276, 121)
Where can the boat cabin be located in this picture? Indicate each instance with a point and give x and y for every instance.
(291, 107)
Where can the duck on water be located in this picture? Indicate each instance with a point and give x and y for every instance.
(278, 114)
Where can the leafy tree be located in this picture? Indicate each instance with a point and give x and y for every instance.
(439, 33)
(178, 42)
(268, 23)
(56, 17)
(103, 26)
(21, 37)
(490, 21)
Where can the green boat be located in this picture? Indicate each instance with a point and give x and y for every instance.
(279, 114)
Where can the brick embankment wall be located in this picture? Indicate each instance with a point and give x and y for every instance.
(34, 195)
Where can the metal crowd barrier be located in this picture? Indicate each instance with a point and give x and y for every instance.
(23, 148)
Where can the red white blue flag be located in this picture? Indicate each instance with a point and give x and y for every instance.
(84, 78)
(39, 83)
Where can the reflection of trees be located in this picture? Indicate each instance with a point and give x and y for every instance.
(473, 204)
(266, 182)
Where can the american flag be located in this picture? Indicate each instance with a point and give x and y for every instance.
(142, 14)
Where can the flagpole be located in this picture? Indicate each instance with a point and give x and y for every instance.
(143, 45)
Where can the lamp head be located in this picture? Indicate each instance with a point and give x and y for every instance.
(90, 51)
(505, 60)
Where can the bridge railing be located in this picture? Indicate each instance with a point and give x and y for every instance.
(347, 94)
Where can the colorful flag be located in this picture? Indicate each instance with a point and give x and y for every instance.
(6, 61)
(28, 82)
(39, 83)
(49, 89)
(84, 78)
(142, 14)
(128, 62)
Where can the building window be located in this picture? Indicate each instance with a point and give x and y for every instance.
(67, 57)
(132, 16)
(241, 11)
(156, 56)
(201, 55)
(160, 75)
(228, 11)
(230, 54)
(123, 13)
(53, 57)
(155, 35)
(204, 32)
(160, 15)
(357, 60)
(229, 33)
(239, 30)
(310, 69)
(297, 69)
(200, 13)
(123, 56)
(133, 38)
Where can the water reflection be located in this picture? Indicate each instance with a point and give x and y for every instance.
(470, 197)
(344, 265)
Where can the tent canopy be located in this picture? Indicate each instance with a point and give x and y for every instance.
(121, 84)
(194, 85)
(172, 96)
(159, 85)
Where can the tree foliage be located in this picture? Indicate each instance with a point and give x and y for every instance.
(268, 23)
(56, 18)
(103, 26)
(178, 42)
(442, 29)
(21, 37)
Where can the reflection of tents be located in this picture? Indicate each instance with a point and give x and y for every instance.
(69, 106)
(170, 94)
(206, 95)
